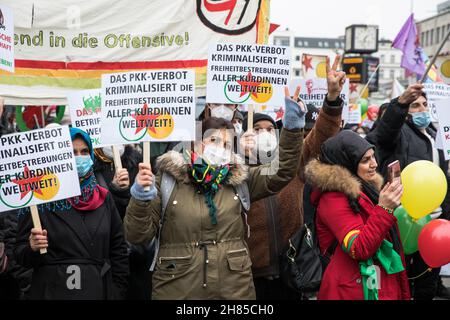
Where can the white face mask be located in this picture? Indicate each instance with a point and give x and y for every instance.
(222, 112)
(216, 156)
(238, 128)
(266, 142)
(108, 152)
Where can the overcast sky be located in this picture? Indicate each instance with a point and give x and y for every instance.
(328, 18)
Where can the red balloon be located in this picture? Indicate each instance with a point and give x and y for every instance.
(434, 243)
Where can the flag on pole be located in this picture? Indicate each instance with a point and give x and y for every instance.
(433, 75)
(408, 42)
(397, 89)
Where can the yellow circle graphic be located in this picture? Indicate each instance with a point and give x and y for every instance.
(264, 94)
(50, 183)
(163, 127)
(321, 70)
(445, 68)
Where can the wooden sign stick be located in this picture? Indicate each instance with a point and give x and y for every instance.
(37, 223)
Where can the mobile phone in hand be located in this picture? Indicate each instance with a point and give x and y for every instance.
(394, 171)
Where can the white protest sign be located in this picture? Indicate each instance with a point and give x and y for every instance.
(443, 114)
(148, 106)
(247, 74)
(6, 39)
(37, 167)
(314, 91)
(354, 113)
(435, 92)
(85, 113)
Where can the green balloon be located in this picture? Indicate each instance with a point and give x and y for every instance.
(409, 229)
(364, 106)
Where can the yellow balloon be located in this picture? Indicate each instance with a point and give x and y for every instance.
(424, 188)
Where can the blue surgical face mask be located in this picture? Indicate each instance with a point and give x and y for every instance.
(421, 119)
(84, 164)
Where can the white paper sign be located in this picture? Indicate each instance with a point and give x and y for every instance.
(85, 113)
(443, 114)
(354, 113)
(314, 91)
(37, 167)
(445, 270)
(6, 39)
(247, 74)
(435, 92)
(148, 106)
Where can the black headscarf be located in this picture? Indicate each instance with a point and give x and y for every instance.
(347, 149)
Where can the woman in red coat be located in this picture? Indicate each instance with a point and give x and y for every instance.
(352, 213)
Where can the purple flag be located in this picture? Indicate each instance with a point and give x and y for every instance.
(407, 41)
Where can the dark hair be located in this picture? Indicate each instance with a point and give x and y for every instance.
(424, 94)
(215, 123)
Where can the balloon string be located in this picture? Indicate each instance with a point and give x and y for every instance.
(407, 235)
(428, 270)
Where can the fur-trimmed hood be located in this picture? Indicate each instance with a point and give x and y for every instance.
(174, 163)
(335, 178)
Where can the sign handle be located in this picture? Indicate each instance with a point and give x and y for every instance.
(250, 117)
(368, 82)
(117, 159)
(146, 156)
(37, 223)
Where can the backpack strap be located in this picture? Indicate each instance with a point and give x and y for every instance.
(309, 216)
(167, 185)
(243, 193)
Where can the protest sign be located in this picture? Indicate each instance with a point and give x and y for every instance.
(69, 46)
(247, 74)
(354, 114)
(6, 39)
(314, 66)
(148, 106)
(314, 91)
(85, 113)
(37, 167)
(435, 92)
(442, 108)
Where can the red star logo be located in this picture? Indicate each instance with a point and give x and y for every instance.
(307, 62)
(26, 183)
(142, 118)
(247, 85)
(280, 114)
(353, 87)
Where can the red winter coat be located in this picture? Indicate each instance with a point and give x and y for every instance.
(335, 219)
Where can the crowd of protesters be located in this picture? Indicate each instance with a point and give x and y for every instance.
(212, 221)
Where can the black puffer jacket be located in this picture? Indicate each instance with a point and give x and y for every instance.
(104, 172)
(14, 280)
(396, 138)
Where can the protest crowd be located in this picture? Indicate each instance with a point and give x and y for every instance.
(296, 207)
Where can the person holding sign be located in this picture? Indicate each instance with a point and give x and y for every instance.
(86, 251)
(117, 182)
(405, 133)
(277, 218)
(203, 253)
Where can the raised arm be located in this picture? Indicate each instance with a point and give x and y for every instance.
(387, 133)
(329, 120)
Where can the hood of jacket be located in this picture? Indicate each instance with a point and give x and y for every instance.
(174, 163)
(335, 178)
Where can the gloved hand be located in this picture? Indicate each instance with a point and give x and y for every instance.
(145, 178)
(294, 116)
(138, 192)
